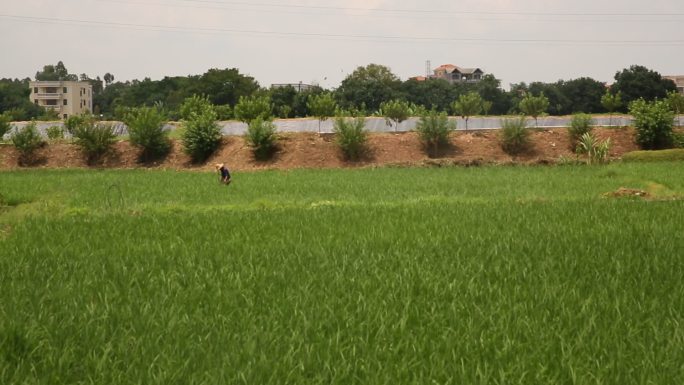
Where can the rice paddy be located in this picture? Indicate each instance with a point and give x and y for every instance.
(492, 275)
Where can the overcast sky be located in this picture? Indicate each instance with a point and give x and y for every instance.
(323, 41)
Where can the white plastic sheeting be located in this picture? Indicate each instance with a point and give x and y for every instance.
(373, 124)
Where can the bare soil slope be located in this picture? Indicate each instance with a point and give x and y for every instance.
(306, 150)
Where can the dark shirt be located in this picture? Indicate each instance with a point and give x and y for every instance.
(224, 173)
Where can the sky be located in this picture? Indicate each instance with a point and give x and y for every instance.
(322, 42)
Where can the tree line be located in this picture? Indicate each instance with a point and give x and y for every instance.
(363, 92)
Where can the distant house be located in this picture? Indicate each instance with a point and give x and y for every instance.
(299, 87)
(456, 74)
(65, 97)
(679, 81)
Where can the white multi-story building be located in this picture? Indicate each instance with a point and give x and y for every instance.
(66, 97)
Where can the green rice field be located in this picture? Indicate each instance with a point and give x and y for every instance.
(484, 275)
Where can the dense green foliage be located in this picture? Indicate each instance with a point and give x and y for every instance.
(653, 122)
(27, 140)
(253, 107)
(261, 136)
(514, 134)
(146, 130)
(367, 87)
(201, 134)
(676, 102)
(351, 136)
(364, 90)
(434, 129)
(579, 125)
(15, 102)
(5, 125)
(516, 275)
(638, 82)
(94, 139)
(55, 132)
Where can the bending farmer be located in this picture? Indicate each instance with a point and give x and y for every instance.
(223, 171)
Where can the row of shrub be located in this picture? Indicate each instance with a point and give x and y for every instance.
(201, 134)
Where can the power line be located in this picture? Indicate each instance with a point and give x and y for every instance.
(384, 38)
(441, 12)
(429, 15)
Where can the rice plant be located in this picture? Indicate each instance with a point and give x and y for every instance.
(491, 275)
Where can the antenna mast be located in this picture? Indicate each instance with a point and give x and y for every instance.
(428, 69)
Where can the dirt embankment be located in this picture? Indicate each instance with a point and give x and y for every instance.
(306, 150)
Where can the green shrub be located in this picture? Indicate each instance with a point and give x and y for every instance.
(515, 136)
(27, 140)
(261, 136)
(75, 122)
(351, 136)
(253, 107)
(595, 150)
(201, 134)
(653, 122)
(55, 132)
(146, 130)
(579, 125)
(193, 105)
(434, 128)
(654, 156)
(224, 112)
(5, 126)
(94, 139)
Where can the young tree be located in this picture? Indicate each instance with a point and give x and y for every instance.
(27, 140)
(395, 111)
(486, 107)
(253, 107)
(468, 105)
(676, 102)
(611, 102)
(322, 106)
(534, 106)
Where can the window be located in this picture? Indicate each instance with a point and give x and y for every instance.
(51, 102)
(35, 101)
(35, 90)
(65, 102)
(66, 116)
(66, 90)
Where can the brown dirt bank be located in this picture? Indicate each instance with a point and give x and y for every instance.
(307, 150)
